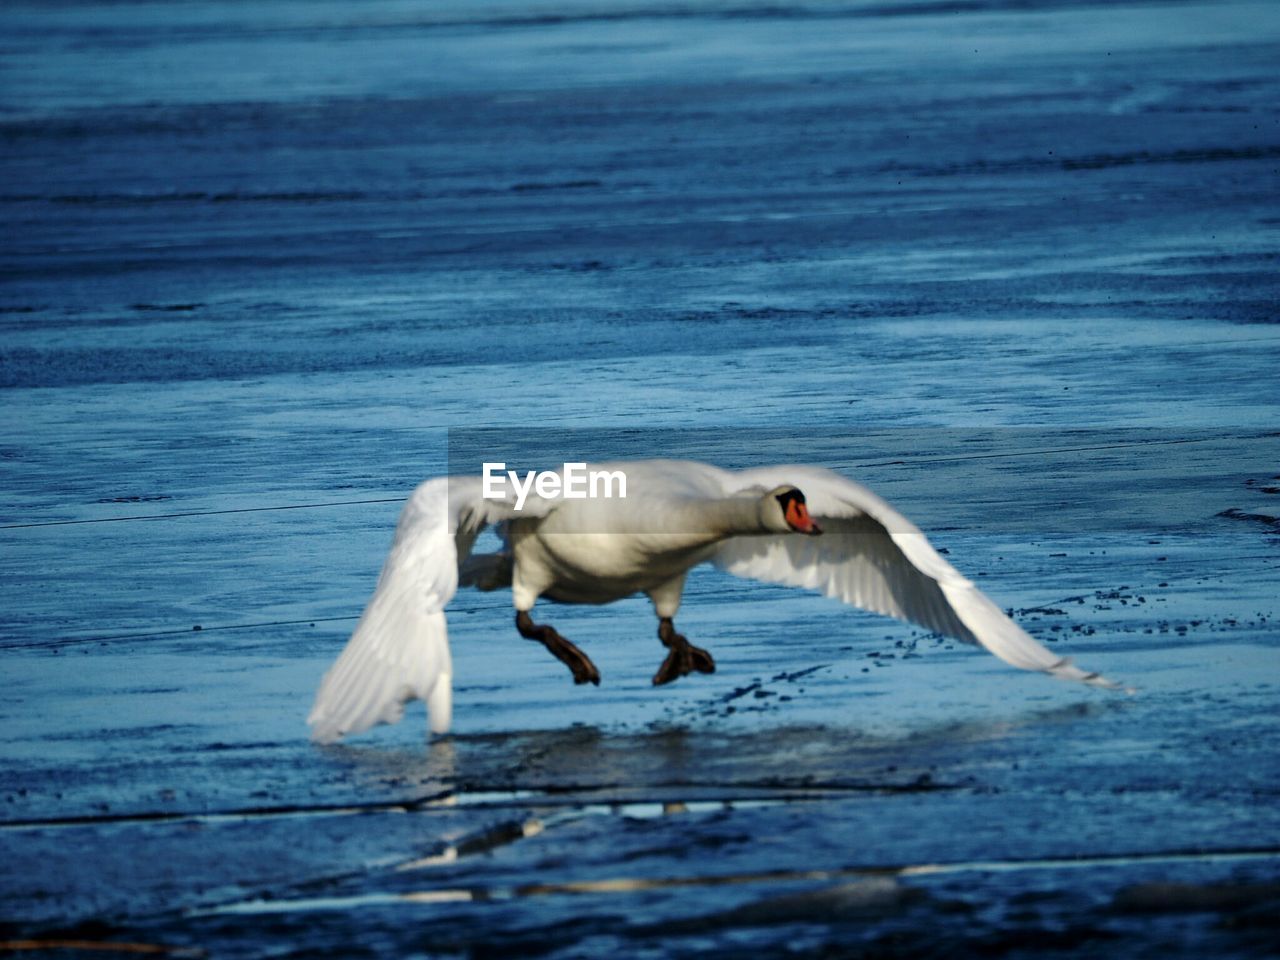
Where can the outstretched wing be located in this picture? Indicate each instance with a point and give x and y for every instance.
(873, 557)
(399, 650)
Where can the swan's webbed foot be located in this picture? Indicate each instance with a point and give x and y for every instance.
(584, 671)
(684, 657)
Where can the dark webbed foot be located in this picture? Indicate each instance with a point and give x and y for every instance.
(584, 671)
(684, 657)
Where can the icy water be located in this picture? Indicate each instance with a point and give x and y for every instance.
(266, 266)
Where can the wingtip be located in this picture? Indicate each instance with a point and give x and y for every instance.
(323, 728)
(440, 705)
(1108, 684)
(324, 736)
(1065, 669)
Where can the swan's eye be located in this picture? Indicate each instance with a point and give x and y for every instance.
(791, 496)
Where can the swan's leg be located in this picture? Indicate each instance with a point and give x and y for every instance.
(584, 671)
(684, 657)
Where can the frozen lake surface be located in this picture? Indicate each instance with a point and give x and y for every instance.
(1011, 264)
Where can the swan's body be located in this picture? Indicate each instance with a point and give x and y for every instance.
(677, 514)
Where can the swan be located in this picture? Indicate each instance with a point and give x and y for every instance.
(804, 526)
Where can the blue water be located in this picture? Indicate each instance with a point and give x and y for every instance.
(264, 267)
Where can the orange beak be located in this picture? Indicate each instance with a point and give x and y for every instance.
(798, 518)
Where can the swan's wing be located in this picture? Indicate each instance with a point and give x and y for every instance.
(872, 557)
(399, 650)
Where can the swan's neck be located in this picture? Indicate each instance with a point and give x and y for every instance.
(714, 520)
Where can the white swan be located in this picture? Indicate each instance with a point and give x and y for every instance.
(763, 524)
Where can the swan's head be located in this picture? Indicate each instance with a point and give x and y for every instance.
(785, 511)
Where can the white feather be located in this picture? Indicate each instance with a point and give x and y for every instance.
(399, 650)
(873, 557)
